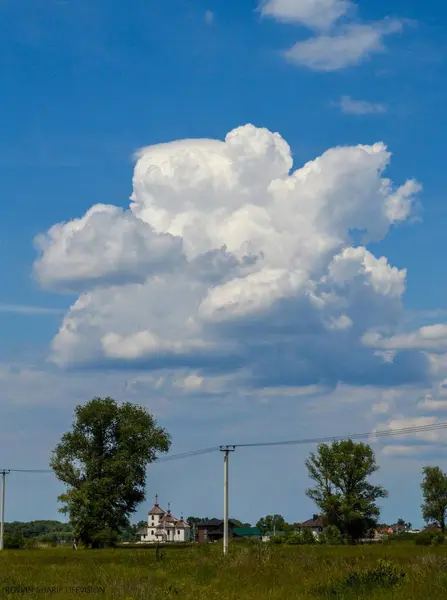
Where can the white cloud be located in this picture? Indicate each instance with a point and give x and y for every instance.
(433, 436)
(402, 450)
(429, 403)
(107, 244)
(23, 309)
(351, 106)
(430, 337)
(315, 14)
(228, 260)
(347, 46)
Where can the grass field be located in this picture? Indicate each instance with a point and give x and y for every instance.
(260, 572)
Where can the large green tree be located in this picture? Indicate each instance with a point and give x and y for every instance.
(342, 491)
(434, 492)
(102, 461)
(271, 523)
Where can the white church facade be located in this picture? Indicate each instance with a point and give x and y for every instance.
(163, 527)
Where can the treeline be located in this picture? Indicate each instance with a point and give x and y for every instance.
(19, 534)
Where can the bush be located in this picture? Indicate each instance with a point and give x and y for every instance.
(295, 539)
(385, 575)
(429, 538)
(308, 537)
(331, 535)
(13, 541)
(30, 543)
(438, 539)
(277, 539)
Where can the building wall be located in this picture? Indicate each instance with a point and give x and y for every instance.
(171, 534)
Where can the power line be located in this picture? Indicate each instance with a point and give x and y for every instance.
(318, 440)
(157, 460)
(357, 436)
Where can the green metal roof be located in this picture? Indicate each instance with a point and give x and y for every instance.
(246, 531)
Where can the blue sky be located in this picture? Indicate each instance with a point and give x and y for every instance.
(84, 86)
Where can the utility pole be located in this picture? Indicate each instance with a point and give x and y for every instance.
(226, 450)
(4, 472)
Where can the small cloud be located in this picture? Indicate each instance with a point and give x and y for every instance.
(29, 310)
(314, 14)
(348, 47)
(209, 17)
(350, 106)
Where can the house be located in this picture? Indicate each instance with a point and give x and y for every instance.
(253, 533)
(315, 524)
(213, 530)
(387, 531)
(162, 526)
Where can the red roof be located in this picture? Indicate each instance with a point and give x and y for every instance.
(316, 521)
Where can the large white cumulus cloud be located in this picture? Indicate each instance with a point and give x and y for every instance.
(227, 259)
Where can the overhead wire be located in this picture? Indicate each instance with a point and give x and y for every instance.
(317, 440)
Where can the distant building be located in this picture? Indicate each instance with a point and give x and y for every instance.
(315, 524)
(213, 530)
(162, 526)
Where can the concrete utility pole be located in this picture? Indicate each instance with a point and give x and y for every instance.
(226, 450)
(4, 472)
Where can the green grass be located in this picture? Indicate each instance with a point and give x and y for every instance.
(249, 572)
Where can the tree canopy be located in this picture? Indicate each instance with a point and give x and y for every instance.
(271, 522)
(342, 491)
(434, 492)
(102, 461)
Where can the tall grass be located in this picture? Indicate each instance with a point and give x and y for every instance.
(249, 572)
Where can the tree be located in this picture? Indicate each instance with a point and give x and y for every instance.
(193, 522)
(103, 461)
(402, 526)
(434, 492)
(271, 523)
(342, 490)
(237, 523)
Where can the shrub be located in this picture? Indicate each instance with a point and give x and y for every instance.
(308, 537)
(438, 539)
(295, 539)
(13, 541)
(332, 535)
(277, 539)
(30, 543)
(429, 538)
(385, 575)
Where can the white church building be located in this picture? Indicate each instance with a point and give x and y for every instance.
(163, 527)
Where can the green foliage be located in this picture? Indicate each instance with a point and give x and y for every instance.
(429, 538)
(385, 575)
(103, 461)
(44, 531)
(30, 543)
(129, 533)
(271, 523)
(342, 490)
(332, 536)
(308, 536)
(438, 539)
(434, 491)
(13, 541)
(278, 539)
(296, 539)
